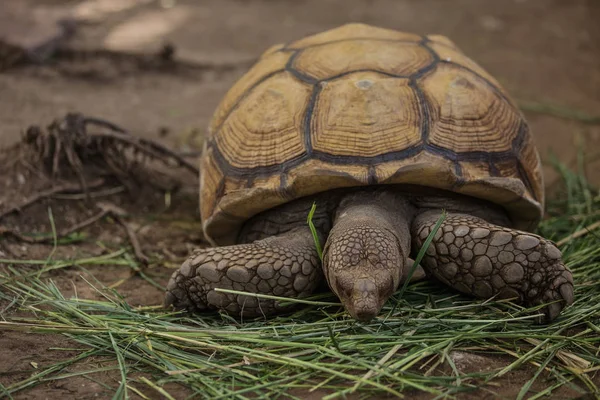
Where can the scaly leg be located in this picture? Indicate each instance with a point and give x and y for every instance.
(485, 260)
(286, 265)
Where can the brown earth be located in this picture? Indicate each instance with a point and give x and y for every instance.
(541, 50)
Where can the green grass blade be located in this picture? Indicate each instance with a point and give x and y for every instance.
(313, 230)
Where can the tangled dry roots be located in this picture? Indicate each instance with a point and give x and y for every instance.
(86, 148)
(75, 154)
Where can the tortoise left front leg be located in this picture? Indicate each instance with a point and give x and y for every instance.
(486, 260)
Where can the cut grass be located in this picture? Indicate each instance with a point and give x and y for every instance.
(316, 346)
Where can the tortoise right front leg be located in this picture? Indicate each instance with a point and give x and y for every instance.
(486, 260)
(286, 265)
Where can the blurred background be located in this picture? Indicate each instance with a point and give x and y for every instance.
(545, 52)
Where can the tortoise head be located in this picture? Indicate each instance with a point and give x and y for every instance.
(363, 266)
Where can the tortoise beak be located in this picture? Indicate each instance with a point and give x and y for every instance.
(365, 302)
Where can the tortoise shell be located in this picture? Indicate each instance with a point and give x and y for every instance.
(360, 105)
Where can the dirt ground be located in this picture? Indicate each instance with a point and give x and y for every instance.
(542, 51)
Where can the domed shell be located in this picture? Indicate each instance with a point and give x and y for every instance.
(360, 105)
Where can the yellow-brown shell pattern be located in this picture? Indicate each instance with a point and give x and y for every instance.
(360, 105)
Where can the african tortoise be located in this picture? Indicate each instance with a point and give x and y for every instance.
(382, 130)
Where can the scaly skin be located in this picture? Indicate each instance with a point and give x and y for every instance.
(285, 265)
(366, 255)
(367, 252)
(485, 260)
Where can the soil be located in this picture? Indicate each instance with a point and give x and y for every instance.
(541, 50)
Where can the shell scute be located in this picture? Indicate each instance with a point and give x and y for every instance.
(357, 106)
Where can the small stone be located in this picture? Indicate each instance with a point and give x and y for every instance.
(552, 252)
(265, 271)
(448, 238)
(208, 272)
(480, 249)
(482, 289)
(479, 233)
(461, 231)
(482, 266)
(238, 274)
(449, 270)
(500, 238)
(506, 257)
(512, 273)
(526, 242)
(466, 254)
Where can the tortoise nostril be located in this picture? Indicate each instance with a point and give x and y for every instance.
(364, 287)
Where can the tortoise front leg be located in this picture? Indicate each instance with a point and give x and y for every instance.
(485, 260)
(286, 265)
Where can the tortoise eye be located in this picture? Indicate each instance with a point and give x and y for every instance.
(387, 288)
(343, 289)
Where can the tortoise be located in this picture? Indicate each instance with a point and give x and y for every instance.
(383, 131)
